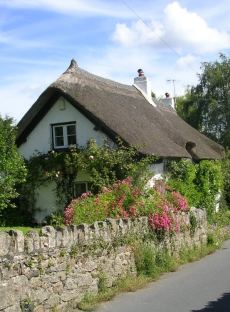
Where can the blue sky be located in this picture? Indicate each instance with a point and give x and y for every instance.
(168, 39)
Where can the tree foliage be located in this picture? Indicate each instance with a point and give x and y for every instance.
(12, 169)
(207, 105)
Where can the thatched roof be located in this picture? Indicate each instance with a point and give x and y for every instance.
(121, 111)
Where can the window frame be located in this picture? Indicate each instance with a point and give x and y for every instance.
(65, 135)
(87, 187)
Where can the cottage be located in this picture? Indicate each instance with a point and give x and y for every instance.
(80, 106)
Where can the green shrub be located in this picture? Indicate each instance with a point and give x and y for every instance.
(145, 259)
(193, 222)
(226, 178)
(211, 240)
(55, 219)
(151, 262)
(12, 168)
(182, 175)
(221, 218)
(209, 182)
(198, 182)
(102, 282)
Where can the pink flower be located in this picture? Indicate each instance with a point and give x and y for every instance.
(133, 211)
(124, 214)
(84, 195)
(160, 221)
(181, 203)
(68, 215)
(97, 201)
(105, 189)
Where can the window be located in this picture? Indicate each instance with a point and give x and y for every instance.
(80, 188)
(64, 135)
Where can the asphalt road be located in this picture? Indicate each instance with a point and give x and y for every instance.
(202, 286)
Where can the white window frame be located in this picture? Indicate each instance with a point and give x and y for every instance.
(65, 136)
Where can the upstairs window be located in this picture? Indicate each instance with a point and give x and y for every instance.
(64, 135)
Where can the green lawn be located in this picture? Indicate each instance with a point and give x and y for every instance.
(24, 229)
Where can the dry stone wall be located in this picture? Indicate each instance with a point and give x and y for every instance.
(53, 270)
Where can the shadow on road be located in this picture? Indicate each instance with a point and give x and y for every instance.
(220, 305)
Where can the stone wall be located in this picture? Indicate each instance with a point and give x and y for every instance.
(54, 269)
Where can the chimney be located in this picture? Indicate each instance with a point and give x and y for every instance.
(144, 86)
(168, 101)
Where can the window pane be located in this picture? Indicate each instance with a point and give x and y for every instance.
(79, 188)
(71, 130)
(58, 131)
(71, 139)
(59, 141)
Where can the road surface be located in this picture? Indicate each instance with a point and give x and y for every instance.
(202, 286)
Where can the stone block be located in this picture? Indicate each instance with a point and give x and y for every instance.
(7, 297)
(74, 233)
(49, 233)
(40, 295)
(5, 242)
(83, 233)
(39, 308)
(94, 231)
(29, 244)
(57, 287)
(59, 238)
(65, 241)
(14, 308)
(17, 241)
(52, 301)
(34, 238)
(113, 226)
(67, 296)
(70, 284)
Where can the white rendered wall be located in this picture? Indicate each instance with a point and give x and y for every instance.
(40, 139)
(158, 173)
(46, 201)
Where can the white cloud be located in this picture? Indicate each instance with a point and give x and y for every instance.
(19, 92)
(10, 39)
(138, 33)
(117, 63)
(89, 7)
(121, 64)
(180, 29)
(185, 28)
(187, 60)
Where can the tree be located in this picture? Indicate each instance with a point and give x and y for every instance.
(12, 169)
(207, 105)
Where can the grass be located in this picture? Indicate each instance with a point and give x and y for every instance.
(150, 266)
(128, 284)
(24, 229)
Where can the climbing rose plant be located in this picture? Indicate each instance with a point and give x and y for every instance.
(105, 165)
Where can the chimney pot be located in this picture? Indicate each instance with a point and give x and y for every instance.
(144, 86)
(140, 72)
(167, 95)
(168, 101)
